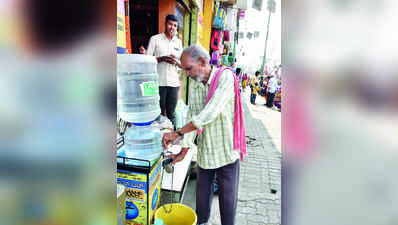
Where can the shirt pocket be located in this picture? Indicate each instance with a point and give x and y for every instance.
(176, 50)
(163, 48)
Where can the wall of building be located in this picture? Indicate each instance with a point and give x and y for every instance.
(121, 31)
(186, 33)
(207, 19)
(165, 7)
(194, 28)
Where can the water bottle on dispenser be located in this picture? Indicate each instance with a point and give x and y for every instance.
(141, 142)
(137, 88)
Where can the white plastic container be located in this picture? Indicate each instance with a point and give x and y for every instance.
(181, 114)
(137, 88)
(141, 142)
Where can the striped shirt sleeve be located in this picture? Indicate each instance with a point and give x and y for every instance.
(223, 93)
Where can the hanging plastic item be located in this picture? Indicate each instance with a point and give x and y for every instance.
(226, 35)
(219, 18)
(213, 59)
(225, 50)
(216, 17)
(219, 62)
(215, 39)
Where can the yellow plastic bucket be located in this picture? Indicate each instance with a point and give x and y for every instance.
(180, 214)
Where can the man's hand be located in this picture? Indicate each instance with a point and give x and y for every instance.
(160, 59)
(163, 59)
(166, 59)
(173, 59)
(142, 50)
(178, 157)
(168, 138)
(173, 56)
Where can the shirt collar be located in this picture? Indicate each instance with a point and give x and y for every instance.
(164, 36)
(212, 74)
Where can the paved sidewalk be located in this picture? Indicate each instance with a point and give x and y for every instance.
(269, 117)
(260, 176)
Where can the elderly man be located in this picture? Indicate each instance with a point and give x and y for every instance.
(217, 152)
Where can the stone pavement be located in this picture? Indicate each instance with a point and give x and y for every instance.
(269, 117)
(260, 175)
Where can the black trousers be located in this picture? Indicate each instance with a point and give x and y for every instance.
(228, 183)
(270, 99)
(253, 98)
(168, 101)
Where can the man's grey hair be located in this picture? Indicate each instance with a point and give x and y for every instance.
(196, 52)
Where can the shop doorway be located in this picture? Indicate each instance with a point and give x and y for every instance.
(144, 19)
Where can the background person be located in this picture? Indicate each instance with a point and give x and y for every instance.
(272, 89)
(167, 48)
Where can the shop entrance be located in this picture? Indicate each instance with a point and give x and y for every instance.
(144, 17)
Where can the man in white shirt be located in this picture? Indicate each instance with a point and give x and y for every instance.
(167, 49)
(272, 89)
